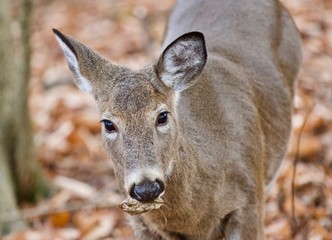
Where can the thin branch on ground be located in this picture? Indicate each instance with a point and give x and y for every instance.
(294, 220)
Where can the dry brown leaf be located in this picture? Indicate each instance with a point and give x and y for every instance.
(134, 207)
(309, 146)
(59, 220)
(279, 227)
(85, 221)
(103, 229)
(81, 189)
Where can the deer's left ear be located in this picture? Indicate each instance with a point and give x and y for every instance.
(183, 61)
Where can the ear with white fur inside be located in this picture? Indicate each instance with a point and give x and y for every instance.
(73, 62)
(183, 61)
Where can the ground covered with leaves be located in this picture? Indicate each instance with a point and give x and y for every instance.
(84, 204)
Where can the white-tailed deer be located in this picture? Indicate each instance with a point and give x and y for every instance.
(205, 127)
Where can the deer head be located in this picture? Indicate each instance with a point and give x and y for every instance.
(138, 108)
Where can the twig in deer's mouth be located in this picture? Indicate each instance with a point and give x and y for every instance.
(134, 207)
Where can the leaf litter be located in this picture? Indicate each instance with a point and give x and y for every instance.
(67, 129)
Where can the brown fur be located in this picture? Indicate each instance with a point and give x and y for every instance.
(228, 132)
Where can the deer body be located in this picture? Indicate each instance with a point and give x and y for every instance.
(205, 128)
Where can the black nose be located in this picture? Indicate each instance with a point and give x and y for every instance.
(147, 190)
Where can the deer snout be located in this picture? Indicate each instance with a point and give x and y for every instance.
(147, 190)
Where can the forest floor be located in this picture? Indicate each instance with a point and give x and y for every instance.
(67, 128)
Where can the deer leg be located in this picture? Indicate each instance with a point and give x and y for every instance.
(246, 223)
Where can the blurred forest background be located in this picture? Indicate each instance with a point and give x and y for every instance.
(65, 139)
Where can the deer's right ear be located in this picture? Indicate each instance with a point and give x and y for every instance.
(81, 60)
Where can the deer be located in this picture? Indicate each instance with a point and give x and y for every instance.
(206, 125)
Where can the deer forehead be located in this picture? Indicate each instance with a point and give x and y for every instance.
(134, 96)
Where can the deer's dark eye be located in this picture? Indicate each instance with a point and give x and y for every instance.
(162, 118)
(109, 126)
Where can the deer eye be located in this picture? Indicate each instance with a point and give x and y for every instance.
(109, 126)
(162, 118)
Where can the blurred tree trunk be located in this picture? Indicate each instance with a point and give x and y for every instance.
(7, 194)
(30, 182)
(20, 176)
